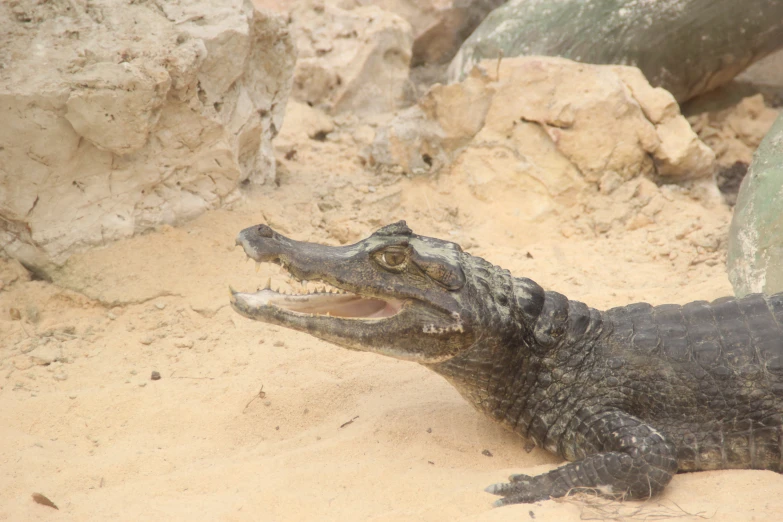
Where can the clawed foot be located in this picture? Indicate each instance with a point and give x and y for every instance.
(521, 489)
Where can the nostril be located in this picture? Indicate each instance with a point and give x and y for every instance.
(265, 231)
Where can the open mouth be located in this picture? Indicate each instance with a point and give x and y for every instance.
(316, 298)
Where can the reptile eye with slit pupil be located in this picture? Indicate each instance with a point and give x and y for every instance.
(393, 258)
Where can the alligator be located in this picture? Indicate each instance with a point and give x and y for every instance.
(629, 396)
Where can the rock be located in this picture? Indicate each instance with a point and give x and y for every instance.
(735, 133)
(439, 26)
(153, 114)
(46, 354)
(556, 119)
(116, 105)
(685, 46)
(756, 234)
(425, 137)
(355, 60)
(439, 40)
(12, 271)
(184, 343)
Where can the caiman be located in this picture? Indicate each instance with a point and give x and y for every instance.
(630, 396)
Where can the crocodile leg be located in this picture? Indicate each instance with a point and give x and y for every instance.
(633, 461)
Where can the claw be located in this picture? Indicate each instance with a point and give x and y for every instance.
(501, 488)
(494, 489)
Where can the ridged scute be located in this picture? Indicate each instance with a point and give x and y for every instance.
(728, 335)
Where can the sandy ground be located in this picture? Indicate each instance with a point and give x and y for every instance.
(252, 422)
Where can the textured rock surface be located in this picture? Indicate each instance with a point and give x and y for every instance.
(561, 122)
(735, 133)
(439, 26)
(121, 116)
(685, 46)
(354, 59)
(756, 233)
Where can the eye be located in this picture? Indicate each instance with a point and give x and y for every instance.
(393, 258)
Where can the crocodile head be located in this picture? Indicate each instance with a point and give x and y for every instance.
(394, 293)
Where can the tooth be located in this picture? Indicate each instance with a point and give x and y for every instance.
(268, 284)
(258, 266)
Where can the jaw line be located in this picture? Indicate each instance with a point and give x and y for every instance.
(385, 316)
(360, 334)
(345, 306)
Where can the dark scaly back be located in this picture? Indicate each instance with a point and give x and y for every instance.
(741, 337)
(709, 375)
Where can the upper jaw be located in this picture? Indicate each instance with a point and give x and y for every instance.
(301, 259)
(314, 262)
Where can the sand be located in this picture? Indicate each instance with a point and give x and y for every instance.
(253, 422)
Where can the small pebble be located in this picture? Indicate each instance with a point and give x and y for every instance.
(279, 343)
(185, 343)
(72, 396)
(486, 453)
(60, 376)
(147, 339)
(155, 376)
(160, 306)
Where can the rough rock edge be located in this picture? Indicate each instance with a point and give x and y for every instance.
(425, 139)
(234, 100)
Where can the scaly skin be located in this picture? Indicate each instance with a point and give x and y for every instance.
(630, 396)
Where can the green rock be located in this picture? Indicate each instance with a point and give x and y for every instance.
(685, 46)
(755, 259)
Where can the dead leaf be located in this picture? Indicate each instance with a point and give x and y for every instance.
(41, 499)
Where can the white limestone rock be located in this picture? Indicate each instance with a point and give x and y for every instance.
(356, 60)
(587, 121)
(120, 116)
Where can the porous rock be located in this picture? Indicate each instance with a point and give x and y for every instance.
(736, 132)
(355, 59)
(119, 116)
(587, 121)
(439, 26)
